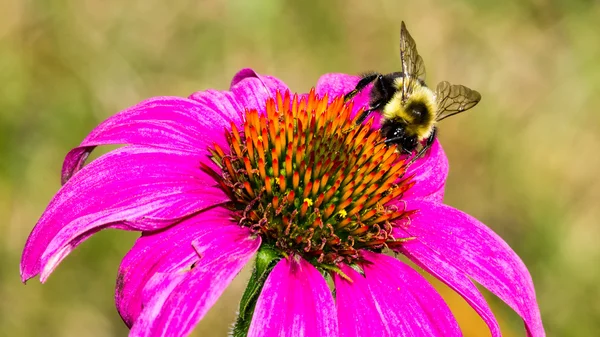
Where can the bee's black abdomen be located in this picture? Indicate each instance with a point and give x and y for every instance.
(395, 133)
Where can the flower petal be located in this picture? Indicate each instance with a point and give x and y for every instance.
(166, 122)
(295, 301)
(429, 175)
(435, 265)
(164, 251)
(335, 85)
(133, 188)
(391, 299)
(175, 301)
(272, 84)
(222, 102)
(249, 90)
(252, 90)
(476, 250)
(365, 319)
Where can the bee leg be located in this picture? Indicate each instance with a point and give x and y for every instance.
(366, 80)
(426, 147)
(378, 104)
(367, 112)
(429, 142)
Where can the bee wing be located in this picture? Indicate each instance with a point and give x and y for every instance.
(412, 62)
(453, 99)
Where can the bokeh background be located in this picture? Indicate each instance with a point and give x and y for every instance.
(525, 161)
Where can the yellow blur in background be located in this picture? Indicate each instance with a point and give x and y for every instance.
(525, 161)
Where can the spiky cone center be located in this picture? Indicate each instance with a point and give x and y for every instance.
(310, 181)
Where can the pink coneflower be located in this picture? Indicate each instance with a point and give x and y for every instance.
(293, 179)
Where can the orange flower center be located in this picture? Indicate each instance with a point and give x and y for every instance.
(310, 181)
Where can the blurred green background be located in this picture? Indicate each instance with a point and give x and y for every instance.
(525, 161)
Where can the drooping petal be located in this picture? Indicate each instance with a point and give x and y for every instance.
(252, 90)
(272, 84)
(166, 122)
(161, 252)
(134, 188)
(295, 301)
(174, 301)
(435, 264)
(391, 299)
(249, 90)
(429, 174)
(335, 85)
(476, 250)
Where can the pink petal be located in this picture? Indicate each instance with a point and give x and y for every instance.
(436, 265)
(365, 319)
(164, 251)
(253, 90)
(225, 103)
(174, 301)
(391, 299)
(474, 249)
(249, 91)
(336, 84)
(295, 301)
(272, 84)
(167, 122)
(429, 174)
(132, 188)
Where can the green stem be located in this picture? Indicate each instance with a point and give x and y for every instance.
(266, 259)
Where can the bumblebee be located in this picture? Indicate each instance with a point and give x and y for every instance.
(409, 108)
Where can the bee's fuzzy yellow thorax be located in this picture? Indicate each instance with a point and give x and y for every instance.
(395, 109)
